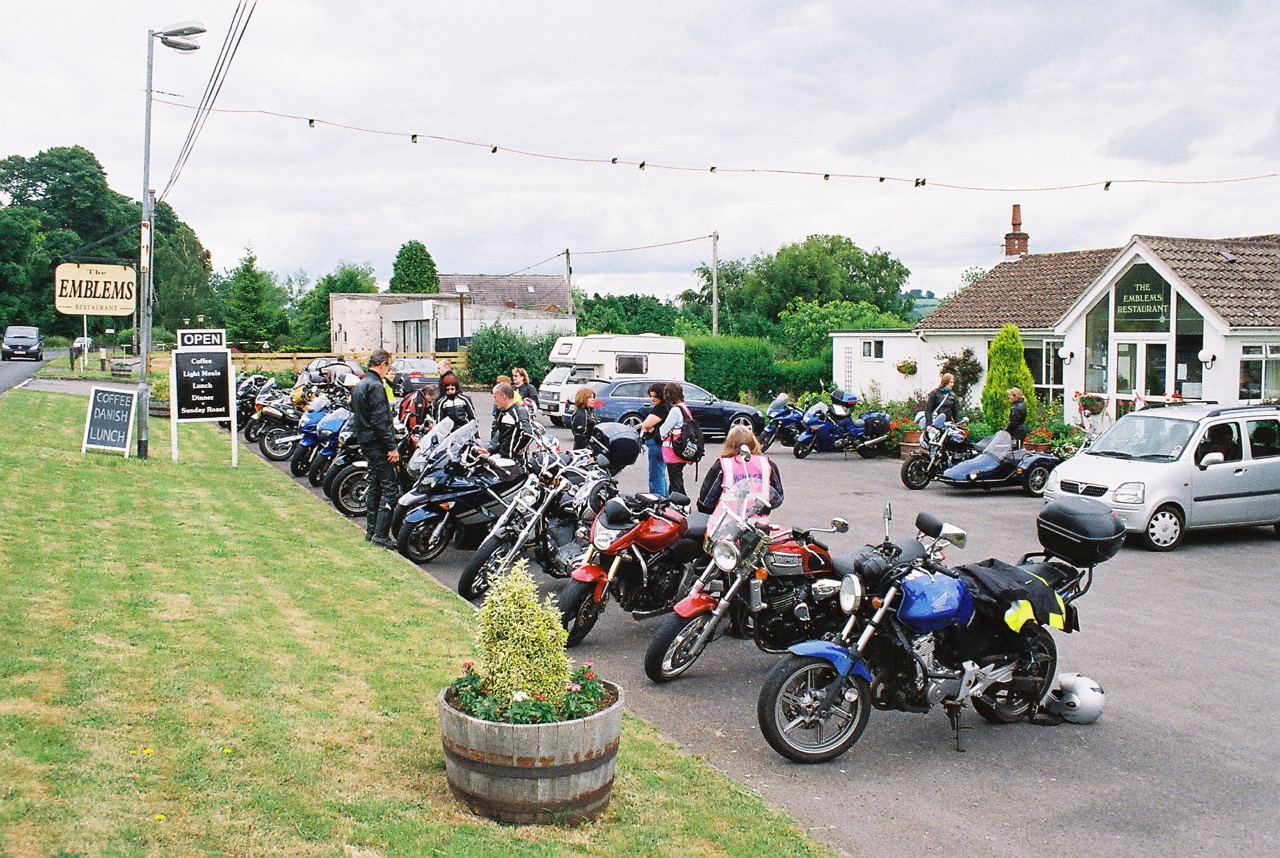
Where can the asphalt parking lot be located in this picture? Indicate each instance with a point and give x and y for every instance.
(1184, 761)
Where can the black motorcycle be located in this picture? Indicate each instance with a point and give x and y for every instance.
(940, 449)
(351, 483)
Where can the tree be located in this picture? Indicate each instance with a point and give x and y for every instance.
(414, 270)
(805, 326)
(183, 287)
(254, 312)
(310, 321)
(1006, 368)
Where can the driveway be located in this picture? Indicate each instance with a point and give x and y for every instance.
(14, 372)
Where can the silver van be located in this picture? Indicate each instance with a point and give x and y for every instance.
(1164, 470)
(22, 341)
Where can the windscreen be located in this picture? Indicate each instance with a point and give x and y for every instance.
(1140, 436)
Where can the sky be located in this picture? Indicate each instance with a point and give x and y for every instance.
(1006, 98)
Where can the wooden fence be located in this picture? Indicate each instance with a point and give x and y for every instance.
(270, 362)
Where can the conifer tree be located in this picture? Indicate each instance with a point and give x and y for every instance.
(1006, 368)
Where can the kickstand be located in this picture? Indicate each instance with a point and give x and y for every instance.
(953, 715)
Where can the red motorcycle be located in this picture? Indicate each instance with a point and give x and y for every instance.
(777, 586)
(644, 552)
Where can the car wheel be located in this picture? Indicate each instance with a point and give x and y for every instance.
(1164, 529)
(1036, 480)
(633, 421)
(741, 420)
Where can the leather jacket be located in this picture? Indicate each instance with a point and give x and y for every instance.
(371, 415)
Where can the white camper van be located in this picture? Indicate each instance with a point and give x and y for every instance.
(605, 357)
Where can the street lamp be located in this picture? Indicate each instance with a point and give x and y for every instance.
(462, 289)
(177, 37)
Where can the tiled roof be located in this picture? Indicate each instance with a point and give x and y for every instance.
(524, 291)
(1031, 292)
(1238, 277)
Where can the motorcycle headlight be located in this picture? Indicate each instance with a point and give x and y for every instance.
(1131, 493)
(725, 556)
(850, 593)
(603, 537)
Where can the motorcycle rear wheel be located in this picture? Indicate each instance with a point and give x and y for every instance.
(349, 489)
(483, 565)
(416, 541)
(331, 477)
(670, 653)
(300, 461)
(869, 451)
(272, 447)
(578, 610)
(803, 448)
(1004, 705)
(787, 710)
(915, 471)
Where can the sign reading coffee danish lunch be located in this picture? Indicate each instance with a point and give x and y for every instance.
(109, 423)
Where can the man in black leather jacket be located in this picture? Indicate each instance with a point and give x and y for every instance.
(371, 422)
(511, 430)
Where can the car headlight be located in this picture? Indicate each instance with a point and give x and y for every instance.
(725, 556)
(603, 537)
(850, 593)
(1131, 493)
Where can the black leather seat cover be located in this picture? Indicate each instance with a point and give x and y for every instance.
(1051, 573)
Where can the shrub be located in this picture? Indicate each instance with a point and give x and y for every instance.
(800, 375)
(1006, 368)
(728, 366)
(979, 430)
(520, 640)
(496, 348)
(967, 370)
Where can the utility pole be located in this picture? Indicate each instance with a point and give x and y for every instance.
(568, 271)
(715, 286)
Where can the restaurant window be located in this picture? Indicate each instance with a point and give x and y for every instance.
(1046, 369)
(1188, 340)
(1096, 343)
(873, 349)
(1142, 302)
(1260, 372)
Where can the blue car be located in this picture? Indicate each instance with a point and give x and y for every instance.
(628, 402)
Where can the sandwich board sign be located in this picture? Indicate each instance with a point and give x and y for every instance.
(202, 384)
(109, 423)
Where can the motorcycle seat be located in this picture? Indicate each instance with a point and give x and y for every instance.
(843, 564)
(1053, 574)
(859, 423)
(697, 526)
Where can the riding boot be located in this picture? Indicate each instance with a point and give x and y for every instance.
(380, 536)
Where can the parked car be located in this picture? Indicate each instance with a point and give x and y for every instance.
(324, 365)
(82, 345)
(1166, 470)
(628, 402)
(412, 374)
(22, 341)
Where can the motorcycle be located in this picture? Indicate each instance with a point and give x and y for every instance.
(920, 635)
(998, 464)
(457, 492)
(308, 443)
(550, 511)
(278, 435)
(252, 426)
(351, 483)
(327, 433)
(642, 551)
(832, 428)
(786, 422)
(940, 449)
(774, 585)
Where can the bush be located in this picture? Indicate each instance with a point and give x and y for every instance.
(729, 366)
(979, 430)
(1006, 368)
(796, 376)
(496, 348)
(520, 640)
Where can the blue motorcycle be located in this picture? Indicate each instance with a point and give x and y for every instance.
(786, 422)
(309, 430)
(920, 635)
(833, 429)
(327, 434)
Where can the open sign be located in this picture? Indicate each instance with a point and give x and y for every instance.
(202, 338)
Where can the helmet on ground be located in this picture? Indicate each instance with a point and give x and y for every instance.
(1077, 699)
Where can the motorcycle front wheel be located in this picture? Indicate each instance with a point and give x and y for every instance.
(915, 471)
(803, 448)
(300, 461)
(788, 710)
(671, 652)
(272, 447)
(252, 430)
(1005, 704)
(766, 440)
(319, 466)
(349, 489)
(482, 567)
(424, 541)
(578, 610)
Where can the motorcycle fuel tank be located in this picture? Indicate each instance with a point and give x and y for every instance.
(932, 602)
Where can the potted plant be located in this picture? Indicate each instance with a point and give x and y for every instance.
(1090, 403)
(907, 367)
(526, 738)
(1038, 440)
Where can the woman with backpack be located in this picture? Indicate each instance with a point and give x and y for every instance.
(670, 431)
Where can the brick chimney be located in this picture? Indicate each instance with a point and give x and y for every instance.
(1015, 243)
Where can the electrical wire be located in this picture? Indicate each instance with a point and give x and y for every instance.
(914, 181)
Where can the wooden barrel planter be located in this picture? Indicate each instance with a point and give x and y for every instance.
(532, 773)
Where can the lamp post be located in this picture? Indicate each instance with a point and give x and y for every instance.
(462, 289)
(176, 37)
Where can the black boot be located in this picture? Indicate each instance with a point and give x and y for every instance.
(380, 535)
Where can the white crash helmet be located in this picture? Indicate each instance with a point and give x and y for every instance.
(1077, 699)
(349, 381)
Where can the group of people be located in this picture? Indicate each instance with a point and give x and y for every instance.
(943, 405)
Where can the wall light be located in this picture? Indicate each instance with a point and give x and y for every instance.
(1207, 358)
(1066, 355)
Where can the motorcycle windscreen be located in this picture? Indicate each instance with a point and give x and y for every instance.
(932, 602)
(779, 403)
(998, 448)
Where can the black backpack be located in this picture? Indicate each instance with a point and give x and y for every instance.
(686, 440)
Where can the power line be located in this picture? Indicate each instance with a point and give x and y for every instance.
(914, 181)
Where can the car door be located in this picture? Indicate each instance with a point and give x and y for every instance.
(628, 397)
(1262, 479)
(1220, 492)
(706, 410)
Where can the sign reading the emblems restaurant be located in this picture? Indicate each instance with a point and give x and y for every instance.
(1142, 301)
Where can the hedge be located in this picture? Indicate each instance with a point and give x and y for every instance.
(496, 349)
(730, 366)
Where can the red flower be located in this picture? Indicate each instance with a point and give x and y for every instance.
(467, 665)
(589, 675)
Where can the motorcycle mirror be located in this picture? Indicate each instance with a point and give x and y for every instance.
(840, 525)
(953, 534)
(888, 511)
(746, 453)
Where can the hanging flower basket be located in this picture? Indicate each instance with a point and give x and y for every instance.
(907, 367)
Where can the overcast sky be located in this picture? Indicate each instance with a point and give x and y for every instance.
(1001, 95)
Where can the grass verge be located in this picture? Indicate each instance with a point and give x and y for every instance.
(195, 660)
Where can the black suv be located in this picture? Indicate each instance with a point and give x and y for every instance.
(22, 341)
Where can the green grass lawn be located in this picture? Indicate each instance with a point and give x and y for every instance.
(201, 660)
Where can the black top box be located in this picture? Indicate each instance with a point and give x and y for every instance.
(1081, 531)
(619, 442)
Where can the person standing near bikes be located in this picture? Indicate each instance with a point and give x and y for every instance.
(733, 467)
(677, 413)
(371, 421)
(653, 440)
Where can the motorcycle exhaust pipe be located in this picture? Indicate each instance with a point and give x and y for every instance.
(288, 439)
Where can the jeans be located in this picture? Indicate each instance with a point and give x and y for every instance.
(657, 468)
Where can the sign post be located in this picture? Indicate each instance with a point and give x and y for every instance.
(109, 423)
(202, 383)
